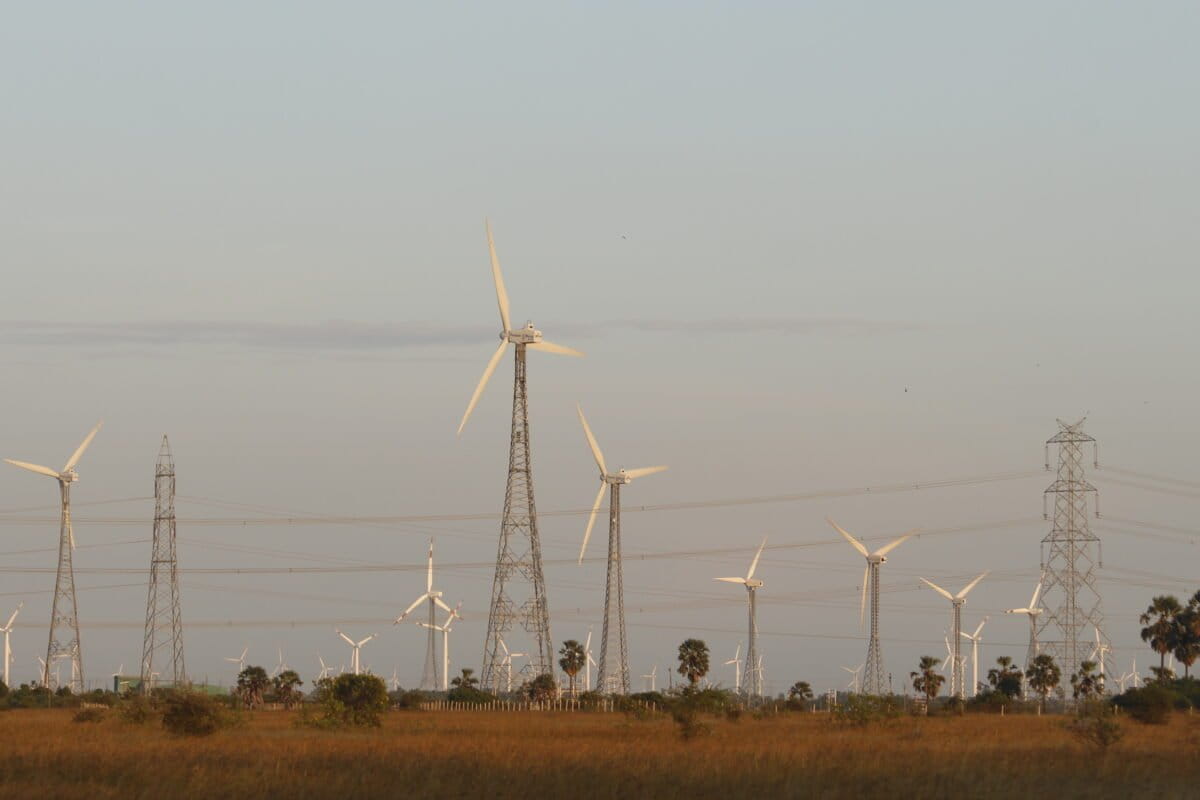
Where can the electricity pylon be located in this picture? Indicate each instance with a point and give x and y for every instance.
(164, 621)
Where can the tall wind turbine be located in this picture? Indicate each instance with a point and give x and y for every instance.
(355, 647)
(1033, 610)
(614, 677)
(975, 638)
(957, 677)
(429, 676)
(444, 629)
(874, 679)
(736, 661)
(6, 630)
(752, 585)
(65, 610)
(516, 559)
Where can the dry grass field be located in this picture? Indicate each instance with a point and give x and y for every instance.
(540, 755)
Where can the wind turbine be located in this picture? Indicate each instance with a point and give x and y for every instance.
(521, 558)
(65, 609)
(429, 677)
(651, 676)
(1033, 610)
(957, 678)
(874, 677)
(975, 638)
(444, 628)
(6, 630)
(736, 661)
(1137, 679)
(395, 678)
(356, 646)
(506, 663)
(280, 667)
(589, 662)
(853, 685)
(752, 585)
(613, 677)
(240, 660)
(1100, 653)
(116, 678)
(325, 668)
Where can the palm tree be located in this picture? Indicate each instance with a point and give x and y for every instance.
(1043, 676)
(465, 681)
(693, 660)
(1161, 630)
(800, 691)
(251, 683)
(286, 684)
(1187, 637)
(573, 659)
(1004, 678)
(1087, 681)
(926, 679)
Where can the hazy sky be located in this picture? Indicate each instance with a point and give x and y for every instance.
(805, 247)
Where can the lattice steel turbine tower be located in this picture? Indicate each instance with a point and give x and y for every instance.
(754, 678)
(1071, 554)
(519, 555)
(614, 672)
(64, 611)
(874, 678)
(958, 678)
(164, 621)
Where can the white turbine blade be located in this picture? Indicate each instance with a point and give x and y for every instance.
(732, 580)
(349, 641)
(1036, 591)
(502, 644)
(587, 534)
(588, 644)
(980, 628)
(8, 624)
(364, 641)
(887, 548)
(245, 650)
(78, 454)
(33, 468)
(440, 604)
(642, 472)
(409, 610)
(862, 606)
(1017, 611)
(591, 440)
(857, 544)
(970, 586)
(938, 589)
(551, 347)
(757, 556)
(429, 574)
(487, 373)
(501, 293)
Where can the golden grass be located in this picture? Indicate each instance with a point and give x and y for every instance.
(531, 755)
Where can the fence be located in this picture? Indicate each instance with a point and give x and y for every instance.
(605, 705)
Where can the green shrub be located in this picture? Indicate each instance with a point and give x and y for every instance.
(136, 709)
(89, 715)
(863, 709)
(1150, 704)
(350, 700)
(194, 714)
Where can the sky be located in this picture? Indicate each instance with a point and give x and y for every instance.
(805, 247)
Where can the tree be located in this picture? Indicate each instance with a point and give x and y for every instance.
(1161, 626)
(573, 660)
(1004, 678)
(926, 679)
(1043, 676)
(465, 681)
(1087, 681)
(800, 691)
(543, 687)
(286, 690)
(351, 699)
(1187, 637)
(693, 660)
(251, 683)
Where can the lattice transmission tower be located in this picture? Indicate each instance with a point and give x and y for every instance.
(1071, 555)
(164, 622)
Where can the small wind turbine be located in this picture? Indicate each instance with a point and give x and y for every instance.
(117, 683)
(64, 585)
(589, 662)
(429, 678)
(6, 630)
(613, 677)
(506, 662)
(752, 585)
(650, 677)
(325, 668)
(395, 678)
(957, 677)
(736, 661)
(240, 660)
(444, 628)
(1100, 652)
(280, 667)
(874, 662)
(1033, 610)
(1137, 679)
(356, 646)
(853, 685)
(975, 638)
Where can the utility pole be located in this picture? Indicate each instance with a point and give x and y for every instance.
(1071, 554)
(164, 623)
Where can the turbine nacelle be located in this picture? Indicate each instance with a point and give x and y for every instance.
(525, 335)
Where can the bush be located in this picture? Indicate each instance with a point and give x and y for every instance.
(135, 709)
(89, 715)
(863, 709)
(350, 700)
(688, 720)
(1150, 705)
(194, 714)
(1096, 726)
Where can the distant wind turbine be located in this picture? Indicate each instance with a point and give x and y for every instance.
(957, 677)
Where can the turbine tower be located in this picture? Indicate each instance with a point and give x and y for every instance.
(444, 629)
(519, 555)
(975, 638)
(355, 647)
(6, 630)
(614, 671)
(753, 662)
(164, 621)
(429, 676)
(1070, 554)
(958, 675)
(874, 678)
(736, 662)
(64, 610)
(1033, 610)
